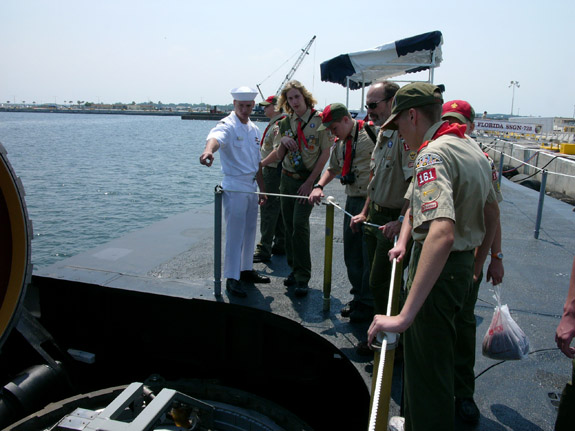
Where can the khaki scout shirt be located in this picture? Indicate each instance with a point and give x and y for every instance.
(392, 165)
(452, 180)
(316, 141)
(360, 165)
(268, 140)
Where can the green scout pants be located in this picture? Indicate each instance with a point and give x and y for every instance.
(429, 345)
(378, 247)
(566, 414)
(296, 223)
(465, 324)
(355, 254)
(271, 222)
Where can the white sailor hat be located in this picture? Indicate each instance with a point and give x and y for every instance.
(244, 94)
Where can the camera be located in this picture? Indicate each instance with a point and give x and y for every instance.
(349, 178)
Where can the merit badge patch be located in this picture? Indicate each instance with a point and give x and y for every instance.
(428, 206)
(428, 160)
(426, 176)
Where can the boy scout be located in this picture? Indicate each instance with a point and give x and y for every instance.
(391, 168)
(351, 159)
(461, 112)
(271, 222)
(306, 150)
(450, 191)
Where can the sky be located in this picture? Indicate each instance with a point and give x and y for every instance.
(186, 51)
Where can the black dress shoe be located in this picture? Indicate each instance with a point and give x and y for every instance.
(290, 280)
(301, 289)
(467, 410)
(235, 288)
(253, 277)
(258, 257)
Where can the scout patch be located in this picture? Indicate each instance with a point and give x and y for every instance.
(312, 125)
(389, 144)
(426, 176)
(428, 206)
(405, 147)
(412, 155)
(428, 160)
(430, 192)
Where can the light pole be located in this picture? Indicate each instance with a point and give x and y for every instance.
(513, 84)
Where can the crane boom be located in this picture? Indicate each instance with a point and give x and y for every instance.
(297, 63)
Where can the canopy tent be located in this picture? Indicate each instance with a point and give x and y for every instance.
(358, 69)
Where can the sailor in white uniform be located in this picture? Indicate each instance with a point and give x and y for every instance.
(238, 140)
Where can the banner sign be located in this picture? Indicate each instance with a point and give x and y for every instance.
(505, 126)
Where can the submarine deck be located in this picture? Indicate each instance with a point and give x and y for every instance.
(171, 258)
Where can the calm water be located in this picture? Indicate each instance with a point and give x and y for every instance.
(91, 178)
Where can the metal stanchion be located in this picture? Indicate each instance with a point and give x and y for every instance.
(383, 366)
(328, 257)
(540, 206)
(218, 241)
(501, 157)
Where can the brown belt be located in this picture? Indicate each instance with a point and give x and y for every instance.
(294, 175)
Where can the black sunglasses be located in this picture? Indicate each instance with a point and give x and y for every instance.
(373, 105)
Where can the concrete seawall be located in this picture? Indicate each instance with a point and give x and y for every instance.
(529, 159)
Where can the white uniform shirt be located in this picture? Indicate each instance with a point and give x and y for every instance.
(239, 146)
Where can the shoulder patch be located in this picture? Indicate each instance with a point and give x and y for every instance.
(426, 176)
(428, 206)
(428, 160)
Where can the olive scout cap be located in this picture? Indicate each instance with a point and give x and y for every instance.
(272, 100)
(244, 94)
(459, 109)
(412, 96)
(331, 113)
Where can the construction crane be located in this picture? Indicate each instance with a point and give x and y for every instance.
(305, 51)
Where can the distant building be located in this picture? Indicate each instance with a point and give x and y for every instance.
(548, 124)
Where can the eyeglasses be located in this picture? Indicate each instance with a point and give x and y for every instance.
(373, 105)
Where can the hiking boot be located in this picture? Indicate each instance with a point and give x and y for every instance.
(466, 410)
(361, 313)
(301, 289)
(290, 280)
(253, 277)
(278, 250)
(260, 257)
(235, 288)
(362, 349)
(347, 309)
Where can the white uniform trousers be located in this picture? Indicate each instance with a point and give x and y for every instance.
(241, 216)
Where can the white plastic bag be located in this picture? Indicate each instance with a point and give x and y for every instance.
(504, 339)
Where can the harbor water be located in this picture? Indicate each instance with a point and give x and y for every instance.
(92, 178)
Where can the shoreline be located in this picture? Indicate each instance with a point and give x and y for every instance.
(185, 115)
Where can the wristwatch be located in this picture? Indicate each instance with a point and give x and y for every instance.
(497, 256)
(318, 186)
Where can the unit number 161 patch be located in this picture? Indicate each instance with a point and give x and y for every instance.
(426, 176)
